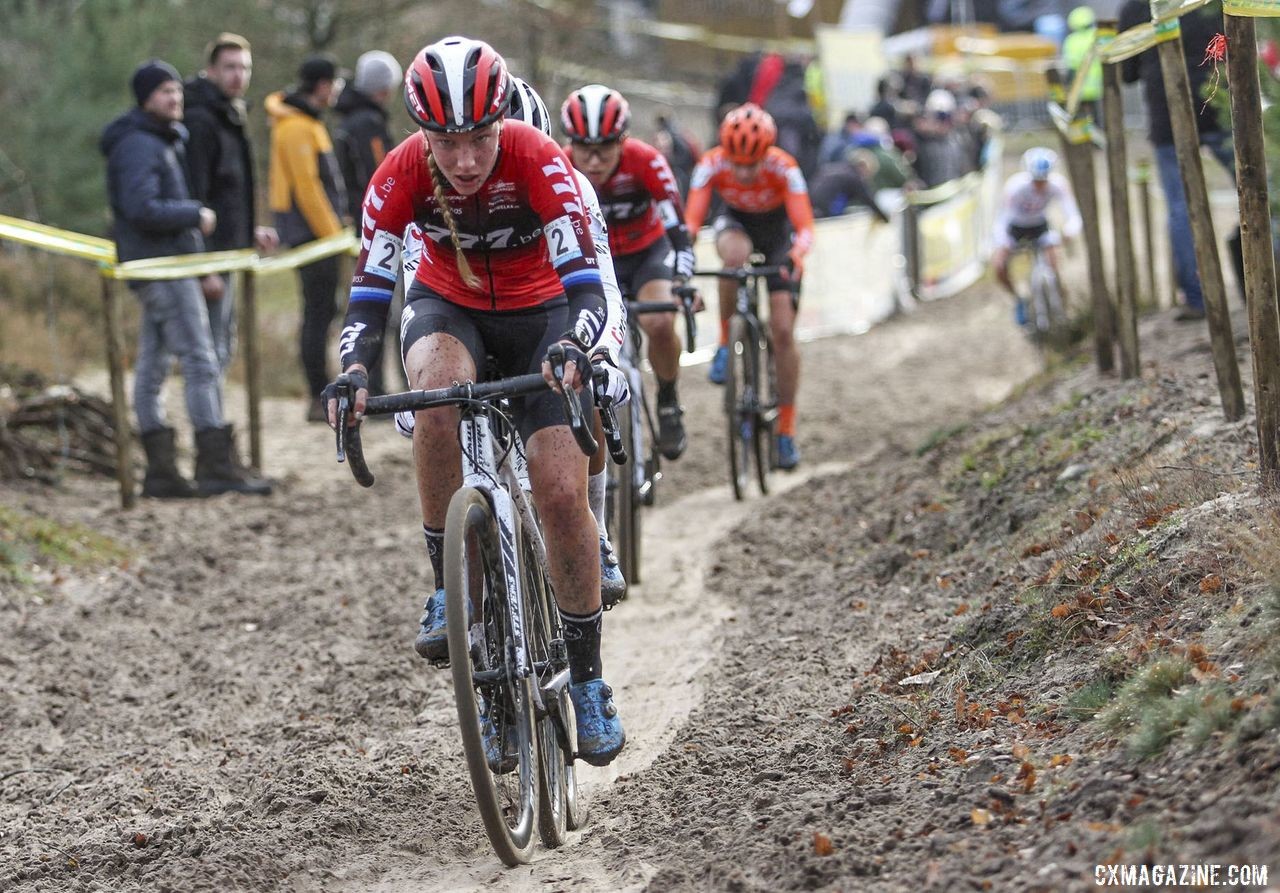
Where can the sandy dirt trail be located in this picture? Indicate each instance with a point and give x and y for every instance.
(240, 707)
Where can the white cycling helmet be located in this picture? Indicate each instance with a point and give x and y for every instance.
(527, 106)
(1038, 162)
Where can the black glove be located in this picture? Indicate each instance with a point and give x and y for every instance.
(356, 381)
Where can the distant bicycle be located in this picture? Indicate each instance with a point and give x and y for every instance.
(751, 385)
(512, 687)
(631, 483)
(1047, 322)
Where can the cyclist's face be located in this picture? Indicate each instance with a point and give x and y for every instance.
(596, 161)
(466, 159)
(746, 173)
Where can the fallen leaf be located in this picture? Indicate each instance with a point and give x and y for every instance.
(822, 844)
(1021, 752)
(139, 839)
(962, 608)
(958, 754)
(1211, 583)
(980, 817)
(1060, 611)
(1059, 759)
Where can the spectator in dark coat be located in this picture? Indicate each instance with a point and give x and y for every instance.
(840, 186)
(361, 140)
(155, 216)
(1198, 28)
(220, 160)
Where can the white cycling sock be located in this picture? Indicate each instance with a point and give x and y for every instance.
(595, 498)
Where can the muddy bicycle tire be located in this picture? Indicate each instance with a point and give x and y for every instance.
(764, 441)
(739, 397)
(507, 801)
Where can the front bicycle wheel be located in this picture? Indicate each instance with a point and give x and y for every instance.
(765, 442)
(739, 404)
(491, 694)
(1046, 298)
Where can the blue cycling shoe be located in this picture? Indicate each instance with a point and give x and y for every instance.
(1020, 312)
(719, 366)
(432, 642)
(788, 452)
(613, 586)
(600, 733)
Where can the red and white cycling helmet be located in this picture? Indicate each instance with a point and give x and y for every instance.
(746, 133)
(456, 84)
(595, 114)
(527, 106)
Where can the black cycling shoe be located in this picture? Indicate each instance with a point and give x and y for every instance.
(671, 435)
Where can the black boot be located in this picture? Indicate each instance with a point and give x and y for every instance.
(218, 467)
(163, 480)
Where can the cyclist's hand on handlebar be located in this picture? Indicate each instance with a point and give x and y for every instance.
(794, 267)
(575, 365)
(359, 379)
(611, 386)
(692, 294)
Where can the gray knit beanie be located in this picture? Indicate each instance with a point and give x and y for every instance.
(376, 71)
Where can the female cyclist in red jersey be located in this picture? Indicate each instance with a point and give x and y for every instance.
(767, 211)
(508, 269)
(648, 240)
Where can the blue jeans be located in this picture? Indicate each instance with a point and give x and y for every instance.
(1184, 249)
(222, 323)
(175, 323)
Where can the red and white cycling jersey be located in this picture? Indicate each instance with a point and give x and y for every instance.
(640, 200)
(525, 233)
(779, 184)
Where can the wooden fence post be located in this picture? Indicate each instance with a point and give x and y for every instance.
(1255, 234)
(1186, 140)
(1143, 180)
(1122, 230)
(1079, 157)
(119, 406)
(252, 368)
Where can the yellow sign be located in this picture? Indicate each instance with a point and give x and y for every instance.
(1252, 8)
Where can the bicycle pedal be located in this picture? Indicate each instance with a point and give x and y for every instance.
(440, 663)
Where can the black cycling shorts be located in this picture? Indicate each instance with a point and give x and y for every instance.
(515, 341)
(770, 234)
(1021, 234)
(656, 261)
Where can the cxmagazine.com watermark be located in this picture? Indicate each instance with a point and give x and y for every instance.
(1195, 875)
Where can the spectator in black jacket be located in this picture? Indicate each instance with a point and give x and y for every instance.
(220, 160)
(840, 186)
(1198, 28)
(155, 216)
(360, 141)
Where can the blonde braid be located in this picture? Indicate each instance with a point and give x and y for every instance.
(437, 178)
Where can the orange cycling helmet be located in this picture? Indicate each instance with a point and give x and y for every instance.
(746, 133)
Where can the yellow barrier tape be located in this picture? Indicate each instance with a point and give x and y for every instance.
(1168, 10)
(340, 243)
(151, 269)
(945, 191)
(707, 38)
(57, 241)
(1251, 8)
(1130, 43)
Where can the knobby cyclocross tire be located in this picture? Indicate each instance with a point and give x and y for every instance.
(636, 476)
(507, 801)
(765, 441)
(1048, 313)
(558, 807)
(740, 394)
(622, 508)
